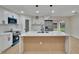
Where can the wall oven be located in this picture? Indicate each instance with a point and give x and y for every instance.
(16, 38)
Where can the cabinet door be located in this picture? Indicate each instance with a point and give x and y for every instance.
(31, 44)
(7, 41)
(0, 44)
(3, 40)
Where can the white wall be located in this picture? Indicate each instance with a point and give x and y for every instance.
(35, 24)
(4, 14)
(22, 22)
(75, 26)
(67, 25)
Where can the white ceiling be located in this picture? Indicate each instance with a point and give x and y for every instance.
(44, 10)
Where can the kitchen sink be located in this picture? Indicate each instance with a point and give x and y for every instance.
(43, 32)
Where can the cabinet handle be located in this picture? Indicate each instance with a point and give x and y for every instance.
(41, 43)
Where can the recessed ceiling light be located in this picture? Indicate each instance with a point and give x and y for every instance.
(37, 11)
(50, 5)
(73, 11)
(53, 11)
(22, 11)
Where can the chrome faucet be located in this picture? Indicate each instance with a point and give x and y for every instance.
(46, 29)
(42, 28)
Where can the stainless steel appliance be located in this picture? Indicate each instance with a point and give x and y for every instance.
(12, 20)
(16, 37)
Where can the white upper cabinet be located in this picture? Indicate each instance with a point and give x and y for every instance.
(4, 14)
(1, 15)
(10, 14)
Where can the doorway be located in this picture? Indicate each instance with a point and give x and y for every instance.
(26, 25)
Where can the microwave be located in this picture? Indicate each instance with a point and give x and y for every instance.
(12, 20)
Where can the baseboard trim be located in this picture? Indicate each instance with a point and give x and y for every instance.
(77, 37)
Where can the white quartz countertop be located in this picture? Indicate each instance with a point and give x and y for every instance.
(4, 33)
(51, 33)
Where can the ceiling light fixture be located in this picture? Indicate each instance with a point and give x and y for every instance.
(50, 5)
(22, 11)
(36, 5)
(37, 11)
(74, 12)
(53, 11)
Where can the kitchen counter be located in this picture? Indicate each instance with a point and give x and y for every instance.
(4, 33)
(50, 33)
(51, 42)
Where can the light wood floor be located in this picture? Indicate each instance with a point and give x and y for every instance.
(44, 52)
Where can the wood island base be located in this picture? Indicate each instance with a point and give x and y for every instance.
(44, 44)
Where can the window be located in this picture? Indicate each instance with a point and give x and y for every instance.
(62, 27)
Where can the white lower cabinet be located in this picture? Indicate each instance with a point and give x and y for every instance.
(5, 42)
(0, 44)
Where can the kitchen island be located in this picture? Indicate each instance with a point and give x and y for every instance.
(51, 42)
